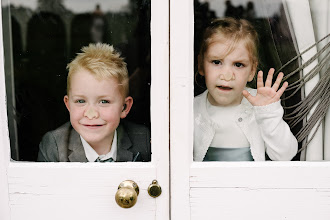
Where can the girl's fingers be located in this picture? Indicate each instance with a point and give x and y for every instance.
(248, 96)
(269, 78)
(278, 81)
(260, 80)
(281, 90)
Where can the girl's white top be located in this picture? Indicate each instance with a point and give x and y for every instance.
(262, 126)
(227, 133)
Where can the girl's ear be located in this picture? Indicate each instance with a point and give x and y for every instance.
(66, 102)
(126, 107)
(200, 65)
(253, 72)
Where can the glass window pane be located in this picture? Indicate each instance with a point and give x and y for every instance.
(42, 37)
(278, 44)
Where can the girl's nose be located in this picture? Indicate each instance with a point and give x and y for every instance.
(91, 113)
(227, 75)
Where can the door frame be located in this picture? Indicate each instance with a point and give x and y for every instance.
(187, 177)
(4, 137)
(10, 171)
(181, 105)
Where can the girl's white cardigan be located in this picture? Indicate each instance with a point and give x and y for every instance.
(263, 126)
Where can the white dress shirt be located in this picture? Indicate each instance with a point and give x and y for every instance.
(91, 154)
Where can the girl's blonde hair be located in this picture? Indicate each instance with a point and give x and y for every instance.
(102, 61)
(232, 29)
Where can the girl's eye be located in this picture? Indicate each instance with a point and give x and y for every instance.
(104, 102)
(216, 62)
(239, 64)
(80, 101)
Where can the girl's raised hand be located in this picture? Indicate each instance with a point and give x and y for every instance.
(267, 94)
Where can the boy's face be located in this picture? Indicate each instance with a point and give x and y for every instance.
(96, 107)
(226, 74)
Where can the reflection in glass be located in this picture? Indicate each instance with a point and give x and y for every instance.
(41, 37)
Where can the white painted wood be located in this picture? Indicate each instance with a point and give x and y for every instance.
(299, 12)
(259, 204)
(160, 102)
(87, 190)
(9, 78)
(285, 175)
(181, 105)
(77, 190)
(231, 190)
(4, 139)
(266, 190)
(285, 190)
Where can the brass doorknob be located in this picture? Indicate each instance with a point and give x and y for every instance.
(154, 189)
(127, 194)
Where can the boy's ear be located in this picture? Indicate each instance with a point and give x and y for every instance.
(66, 102)
(126, 107)
(200, 65)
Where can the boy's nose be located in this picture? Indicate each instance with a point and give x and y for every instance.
(91, 113)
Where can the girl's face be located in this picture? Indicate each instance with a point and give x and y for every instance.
(226, 74)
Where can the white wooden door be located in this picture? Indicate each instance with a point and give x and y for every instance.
(264, 190)
(30, 190)
(231, 190)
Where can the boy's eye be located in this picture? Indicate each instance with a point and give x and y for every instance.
(239, 64)
(80, 101)
(104, 101)
(216, 62)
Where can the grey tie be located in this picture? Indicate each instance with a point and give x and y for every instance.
(106, 160)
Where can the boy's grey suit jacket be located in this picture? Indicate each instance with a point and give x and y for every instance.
(64, 144)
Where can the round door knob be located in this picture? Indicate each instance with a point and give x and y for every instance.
(127, 194)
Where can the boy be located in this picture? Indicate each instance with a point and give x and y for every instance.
(97, 98)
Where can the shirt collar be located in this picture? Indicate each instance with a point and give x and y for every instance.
(91, 154)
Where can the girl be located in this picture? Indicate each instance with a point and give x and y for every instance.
(232, 122)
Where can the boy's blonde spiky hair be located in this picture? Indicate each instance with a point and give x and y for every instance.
(102, 61)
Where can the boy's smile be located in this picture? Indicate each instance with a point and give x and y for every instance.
(226, 69)
(96, 107)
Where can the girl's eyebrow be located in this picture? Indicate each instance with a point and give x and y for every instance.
(242, 61)
(217, 57)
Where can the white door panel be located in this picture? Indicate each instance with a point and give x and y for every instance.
(230, 190)
(267, 190)
(32, 190)
(244, 190)
(247, 203)
(77, 190)
(280, 175)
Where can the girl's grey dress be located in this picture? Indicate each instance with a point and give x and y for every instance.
(228, 154)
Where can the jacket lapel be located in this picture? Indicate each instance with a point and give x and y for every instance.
(124, 143)
(76, 150)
